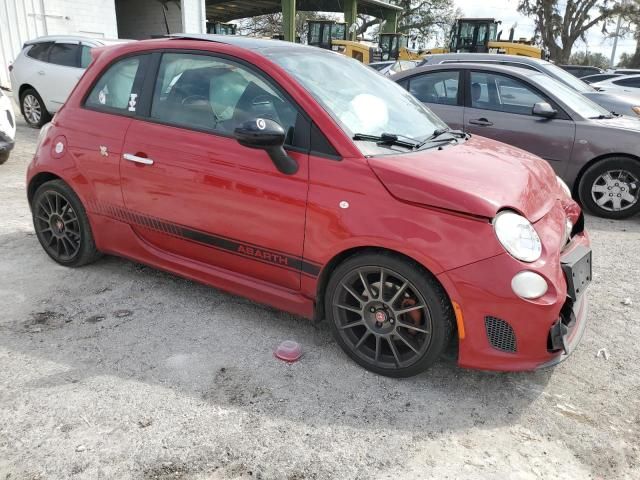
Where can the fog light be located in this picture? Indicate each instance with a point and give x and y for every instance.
(529, 285)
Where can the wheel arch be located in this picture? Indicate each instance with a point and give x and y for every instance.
(576, 184)
(336, 260)
(24, 87)
(38, 180)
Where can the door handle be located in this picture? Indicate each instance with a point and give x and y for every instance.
(41, 72)
(134, 158)
(483, 122)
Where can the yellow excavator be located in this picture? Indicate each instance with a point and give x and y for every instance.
(333, 36)
(468, 35)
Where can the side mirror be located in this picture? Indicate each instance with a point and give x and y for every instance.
(265, 134)
(543, 109)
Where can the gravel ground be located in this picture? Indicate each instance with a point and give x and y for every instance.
(117, 370)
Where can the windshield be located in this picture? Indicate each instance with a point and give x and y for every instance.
(574, 100)
(359, 99)
(568, 79)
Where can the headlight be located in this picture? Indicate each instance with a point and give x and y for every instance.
(517, 236)
(564, 186)
(636, 110)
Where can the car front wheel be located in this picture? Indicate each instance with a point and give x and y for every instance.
(610, 188)
(388, 314)
(33, 109)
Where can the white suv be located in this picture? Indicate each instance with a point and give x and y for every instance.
(46, 71)
(7, 127)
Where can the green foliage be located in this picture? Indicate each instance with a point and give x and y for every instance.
(592, 59)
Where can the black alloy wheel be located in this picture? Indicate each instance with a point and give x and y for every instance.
(62, 226)
(388, 315)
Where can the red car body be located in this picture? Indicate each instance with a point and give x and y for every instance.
(216, 212)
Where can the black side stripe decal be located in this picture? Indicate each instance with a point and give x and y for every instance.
(237, 247)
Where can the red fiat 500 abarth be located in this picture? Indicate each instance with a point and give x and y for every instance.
(302, 179)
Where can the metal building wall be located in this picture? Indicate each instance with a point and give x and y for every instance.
(20, 20)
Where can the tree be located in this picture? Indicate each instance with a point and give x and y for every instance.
(559, 27)
(422, 20)
(589, 58)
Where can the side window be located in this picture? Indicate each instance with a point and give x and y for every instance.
(65, 54)
(85, 56)
(117, 89)
(436, 87)
(628, 82)
(40, 51)
(208, 93)
(503, 94)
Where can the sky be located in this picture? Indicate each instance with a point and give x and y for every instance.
(507, 11)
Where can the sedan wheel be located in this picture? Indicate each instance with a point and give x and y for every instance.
(388, 316)
(611, 188)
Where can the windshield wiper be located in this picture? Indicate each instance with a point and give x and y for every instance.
(389, 139)
(437, 134)
(601, 117)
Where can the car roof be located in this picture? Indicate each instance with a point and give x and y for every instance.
(522, 72)
(75, 38)
(248, 43)
(484, 56)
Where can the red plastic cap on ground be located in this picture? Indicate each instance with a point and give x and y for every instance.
(289, 351)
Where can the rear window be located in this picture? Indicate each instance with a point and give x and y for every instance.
(628, 82)
(39, 51)
(65, 54)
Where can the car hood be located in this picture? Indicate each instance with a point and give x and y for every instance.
(622, 122)
(479, 177)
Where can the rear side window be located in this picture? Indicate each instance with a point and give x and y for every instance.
(436, 87)
(65, 54)
(208, 93)
(85, 56)
(40, 51)
(118, 89)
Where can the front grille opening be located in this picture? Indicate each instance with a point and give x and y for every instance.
(500, 334)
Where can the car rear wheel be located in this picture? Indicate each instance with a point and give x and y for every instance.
(610, 188)
(33, 109)
(388, 314)
(4, 156)
(62, 226)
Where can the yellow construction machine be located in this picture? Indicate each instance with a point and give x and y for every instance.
(333, 36)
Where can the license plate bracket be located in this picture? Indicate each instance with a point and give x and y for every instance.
(577, 267)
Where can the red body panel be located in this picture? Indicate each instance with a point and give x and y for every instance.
(216, 212)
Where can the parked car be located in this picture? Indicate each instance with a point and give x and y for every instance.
(627, 71)
(625, 105)
(305, 180)
(45, 72)
(590, 79)
(7, 127)
(628, 84)
(593, 151)
(391, 68)
(581, 70)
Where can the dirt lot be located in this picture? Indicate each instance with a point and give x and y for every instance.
(117, 370)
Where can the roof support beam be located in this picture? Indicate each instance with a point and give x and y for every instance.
(289, 20)
(350, 16)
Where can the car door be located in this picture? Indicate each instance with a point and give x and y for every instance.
(192, 190)
(441, 91)
(97, 130)
(61, 73)
(500, 107)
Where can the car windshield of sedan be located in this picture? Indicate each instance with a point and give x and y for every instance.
(574, 100)
(360, 100)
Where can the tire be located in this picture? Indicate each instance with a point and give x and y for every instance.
(4, 156)
(406, 329)
(33, 109)
(623, 181)
(62, 225)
